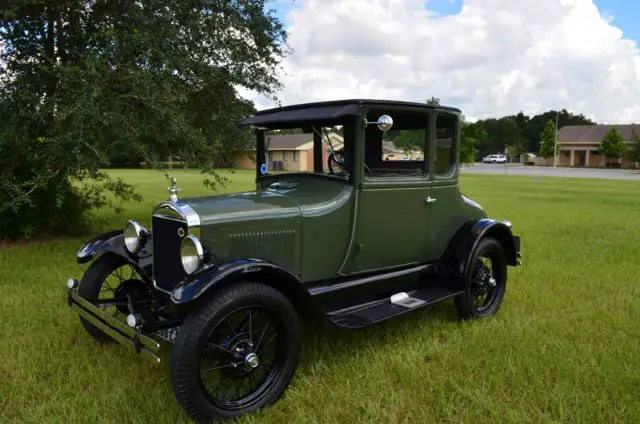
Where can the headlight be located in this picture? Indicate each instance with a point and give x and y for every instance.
(135, 236)
(191, 254)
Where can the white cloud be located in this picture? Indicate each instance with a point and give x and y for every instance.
(495, 57)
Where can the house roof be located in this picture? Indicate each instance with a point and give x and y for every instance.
(325, 111)
(302, 141)
(593, 133)
(287, 141)
(390, 147)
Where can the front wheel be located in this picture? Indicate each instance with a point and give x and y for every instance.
(111, 278)
(485, 282)
(237, 353)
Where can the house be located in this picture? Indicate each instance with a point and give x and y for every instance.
(291, 152)
(579, 145)
(391, 152)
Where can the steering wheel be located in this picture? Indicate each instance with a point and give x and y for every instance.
(336, 158)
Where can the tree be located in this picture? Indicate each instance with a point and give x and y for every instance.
(433, 101)
(410, 140)
(470, 135)
(634, 152)
(500, 133)
(612, 146)
(548, 146)
(512, 152)
(85, 83)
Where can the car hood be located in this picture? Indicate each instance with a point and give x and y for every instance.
(243, 207)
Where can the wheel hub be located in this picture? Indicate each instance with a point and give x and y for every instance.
(244, 358)
(251, 360)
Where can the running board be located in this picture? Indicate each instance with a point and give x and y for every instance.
(380, 310)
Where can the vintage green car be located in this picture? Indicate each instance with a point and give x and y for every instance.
(360, 232)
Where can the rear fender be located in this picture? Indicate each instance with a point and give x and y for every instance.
(113, 242)
(459, 252)
(216, 276)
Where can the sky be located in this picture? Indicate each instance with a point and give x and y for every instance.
(489, 58)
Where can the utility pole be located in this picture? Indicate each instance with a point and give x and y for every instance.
(555, 143)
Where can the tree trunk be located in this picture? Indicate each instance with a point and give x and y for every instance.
(49, 50)
(61, 38)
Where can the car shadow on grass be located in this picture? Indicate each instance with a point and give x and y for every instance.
(322, 339)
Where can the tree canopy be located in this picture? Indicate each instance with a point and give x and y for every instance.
(90, 83)
(613, 145)
(634, 152)
(548, 145)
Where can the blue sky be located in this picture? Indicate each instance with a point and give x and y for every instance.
(500, 68)
(625, 12)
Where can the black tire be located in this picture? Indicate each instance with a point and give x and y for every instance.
(201, 328)
(94, 282)
(477, 282)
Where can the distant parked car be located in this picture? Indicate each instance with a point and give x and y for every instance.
(495, 159)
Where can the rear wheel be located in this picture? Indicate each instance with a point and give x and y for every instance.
(485, 282)
(237, 353)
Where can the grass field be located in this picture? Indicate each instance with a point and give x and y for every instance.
(565, 347)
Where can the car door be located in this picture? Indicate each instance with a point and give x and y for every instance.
(445, 193)
(392, 218)
(392, 224)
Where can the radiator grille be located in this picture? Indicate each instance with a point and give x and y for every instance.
(167, 266)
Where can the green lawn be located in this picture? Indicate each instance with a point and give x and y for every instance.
(565, 347)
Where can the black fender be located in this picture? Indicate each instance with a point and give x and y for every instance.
(458, 254)
(217, 275)
(113, 242)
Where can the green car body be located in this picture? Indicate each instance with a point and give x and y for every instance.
(372, 240)
(318, 228)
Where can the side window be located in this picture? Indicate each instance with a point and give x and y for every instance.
(399, 151)
(445, 153)
(285, 155)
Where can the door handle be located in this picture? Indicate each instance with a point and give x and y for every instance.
(429, 199)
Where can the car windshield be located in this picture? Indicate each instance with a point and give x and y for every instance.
(313, 149)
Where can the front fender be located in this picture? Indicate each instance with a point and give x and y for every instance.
(248, 269)
(459, 252)
(113, 242)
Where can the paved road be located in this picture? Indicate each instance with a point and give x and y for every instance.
(517, 169)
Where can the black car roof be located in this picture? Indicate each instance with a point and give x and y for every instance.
(325, 111)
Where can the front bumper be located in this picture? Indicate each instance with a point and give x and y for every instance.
(516, 240)
(114, 328)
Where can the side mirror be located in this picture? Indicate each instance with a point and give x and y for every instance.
(384, 122)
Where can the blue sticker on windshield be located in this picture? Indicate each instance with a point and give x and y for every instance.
(263, 168)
